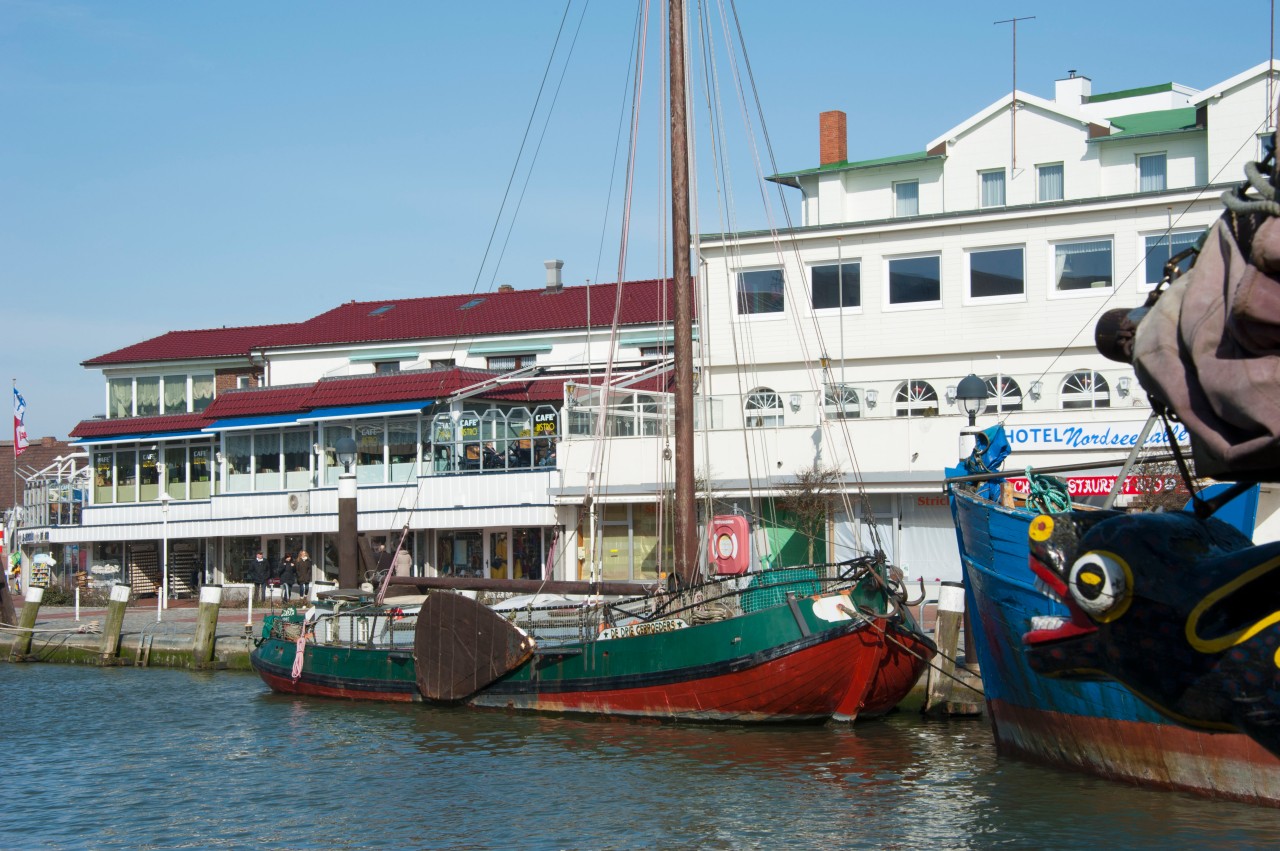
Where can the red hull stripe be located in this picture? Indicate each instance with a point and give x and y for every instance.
(802, 681)
(285, 685)
(1223, 765)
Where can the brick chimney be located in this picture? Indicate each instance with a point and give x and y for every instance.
(833, 137)
(554, 283)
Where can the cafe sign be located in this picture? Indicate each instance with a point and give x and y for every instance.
(1078, 436)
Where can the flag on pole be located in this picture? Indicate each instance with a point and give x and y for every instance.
(19, 423)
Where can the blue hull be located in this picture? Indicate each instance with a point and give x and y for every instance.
(1098, 727)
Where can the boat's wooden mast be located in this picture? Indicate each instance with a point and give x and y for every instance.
(686, 521)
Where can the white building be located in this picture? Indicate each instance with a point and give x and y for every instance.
(992, 250)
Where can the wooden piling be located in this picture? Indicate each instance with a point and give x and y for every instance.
(21, 649)
(946, 634)
(206, 626)
(114, 622)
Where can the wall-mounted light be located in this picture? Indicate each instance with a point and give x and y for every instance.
(951, 394)
(219, 457)
(1034, 391)
(795, 402)
(1123, 386)
(872, 396)
(316, 448)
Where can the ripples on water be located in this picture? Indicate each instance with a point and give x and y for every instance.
(122, 758)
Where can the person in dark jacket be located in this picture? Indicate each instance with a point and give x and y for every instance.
(306, 569)
(259, 573)
(288, 576)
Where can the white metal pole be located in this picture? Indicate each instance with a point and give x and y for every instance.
(164, 555)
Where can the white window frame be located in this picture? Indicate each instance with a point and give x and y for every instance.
(1137, 164)
(896, 184)
(915, 407)
(1090, 292)
(1078, 378)
(1148, 286)
(1063, 170)
(969, 298)
(888, 305)
(1004, 188)
(765, 417)
(772, 315)
(856, 261)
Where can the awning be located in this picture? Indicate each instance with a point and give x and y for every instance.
(138, 438)
(355, 412)
(509, 349)
(238, 423)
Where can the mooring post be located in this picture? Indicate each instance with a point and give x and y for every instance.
(206, 626)
(27, 622)
(115, 620)
(946, 634)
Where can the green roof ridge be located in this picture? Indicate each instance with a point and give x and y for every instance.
(846, 164)
(1130, 93)
(1157, 121)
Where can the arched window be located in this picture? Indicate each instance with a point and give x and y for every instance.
(915, 399)
(840, 401)
(1085, 389)
(763, 408)
(1006, 397)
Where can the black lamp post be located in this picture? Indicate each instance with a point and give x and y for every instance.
(972, 395)
(348, 557)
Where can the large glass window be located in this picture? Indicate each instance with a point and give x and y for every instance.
(201, 392)
(1082, 265)
(510, 363)
(915, 399)
(629, 542)
(992, 188)
(837, 285)
(126, 475)
(370, 463)
(402, 442)
(297, 459)
(119, 397)
(1151, 173)
(996, 272)
(906, 198)
(103, 477)
(840, 402)
(147, 396)
(239, 455)
(175, 471)
(1049, 182)
(332, 434)
(175, 394)
(1085, 389)
(201, 472)
(763, 408)
(266, 460)
(1160, 250)
(760, 291)
(915, 280)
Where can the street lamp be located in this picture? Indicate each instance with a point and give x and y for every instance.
(346, 449)
(163, 601)
(972, 395)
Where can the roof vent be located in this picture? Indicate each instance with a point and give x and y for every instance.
(554, 283)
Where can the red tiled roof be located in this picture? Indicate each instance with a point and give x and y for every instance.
(139, 425)
(516, 311)
(257, 401)
(396, 387)
(191, 345)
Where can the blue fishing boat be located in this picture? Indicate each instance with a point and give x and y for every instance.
(1098, 727)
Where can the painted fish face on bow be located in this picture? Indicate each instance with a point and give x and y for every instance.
(1184, 612)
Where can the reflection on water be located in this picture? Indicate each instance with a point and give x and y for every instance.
(170, 759)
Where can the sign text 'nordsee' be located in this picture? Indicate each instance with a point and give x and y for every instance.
(1089, 436)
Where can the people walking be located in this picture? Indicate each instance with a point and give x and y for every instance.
(305, 571)
(259, 573)
(288, 576)
(403, 563)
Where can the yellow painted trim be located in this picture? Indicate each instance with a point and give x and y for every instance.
(1217, 645)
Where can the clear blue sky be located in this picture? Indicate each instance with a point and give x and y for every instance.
(191, 165)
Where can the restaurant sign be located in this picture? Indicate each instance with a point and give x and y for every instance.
(1081, 486)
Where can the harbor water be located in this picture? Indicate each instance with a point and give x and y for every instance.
(127, 758)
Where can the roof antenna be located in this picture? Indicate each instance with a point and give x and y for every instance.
(1013, 100)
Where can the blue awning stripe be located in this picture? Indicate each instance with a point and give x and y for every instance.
(358, 411)
(236, 423)
(137, 438)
